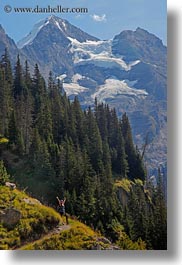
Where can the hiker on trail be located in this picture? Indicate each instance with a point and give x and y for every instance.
(62, 208)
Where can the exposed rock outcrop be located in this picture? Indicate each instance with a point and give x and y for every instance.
(10, 185)
(10, 217)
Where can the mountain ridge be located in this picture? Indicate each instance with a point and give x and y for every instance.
(128, 73)
(62, 24)
(7, 43)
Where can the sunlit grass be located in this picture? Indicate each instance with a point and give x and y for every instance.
(78, 237)
(35, 221)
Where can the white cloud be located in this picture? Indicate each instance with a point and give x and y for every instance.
(77, 16)
(97, 18)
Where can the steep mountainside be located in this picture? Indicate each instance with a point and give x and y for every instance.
(26, 224)
(52, 147)
(48, 44)
(127, 72)
(6, 42)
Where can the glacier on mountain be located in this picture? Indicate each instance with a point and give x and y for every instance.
(127, 72)
(98, 53)
(73, 87)
(113, 87)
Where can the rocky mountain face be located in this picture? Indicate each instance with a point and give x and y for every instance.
(146, 47)
(127, 72)
(7, 42)
(48, 44)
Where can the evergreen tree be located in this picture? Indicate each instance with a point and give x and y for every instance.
(13, 132)
(27, 77)
(6, 101)
(87, 192)
(56, 110)
(18, 88)
(6, 65)
(40, 168)
(3, 112)
(95, 151)
(101, 118)
(38, 90)
(135, 163)
(79, 123)
(3, 174)
(160, 217)
(137, 214)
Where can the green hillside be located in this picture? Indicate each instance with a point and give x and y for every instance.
(26, 224)
(50, 146)
(33, 220)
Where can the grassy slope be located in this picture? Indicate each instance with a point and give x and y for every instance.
(78, 237)
(35, 230)
(41, 228)
(35, 221)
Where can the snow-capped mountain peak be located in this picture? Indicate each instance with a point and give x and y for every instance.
(64, 27)
(31, 36)
(58, 22)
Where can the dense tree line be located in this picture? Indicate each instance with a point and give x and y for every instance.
(56, 148)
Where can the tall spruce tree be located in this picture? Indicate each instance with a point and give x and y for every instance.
(160, 217)
(95, 143)
(6, 86)
(135, 163)
(18, 88)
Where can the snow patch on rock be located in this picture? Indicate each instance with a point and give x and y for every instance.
(113, 88)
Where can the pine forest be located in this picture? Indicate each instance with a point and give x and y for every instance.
(50, 146)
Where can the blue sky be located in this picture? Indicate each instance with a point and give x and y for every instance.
(105, 18)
